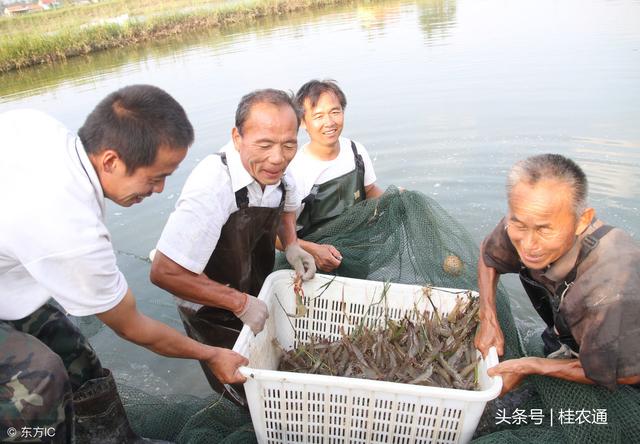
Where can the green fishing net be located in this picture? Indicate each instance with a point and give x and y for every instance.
(187, 419)
(406, 237)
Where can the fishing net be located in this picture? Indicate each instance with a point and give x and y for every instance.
(187, 419)
(573, 413)
(407, 237)
(400, 237)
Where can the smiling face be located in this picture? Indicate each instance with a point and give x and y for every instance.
(268, 142)
(542, 224)
(324, 122)
(128, 189)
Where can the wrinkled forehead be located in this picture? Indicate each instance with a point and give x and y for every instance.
(544, 196)
(266, 116)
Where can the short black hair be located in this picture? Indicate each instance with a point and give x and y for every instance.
(273, 96)
(313, 89)
(135, 121)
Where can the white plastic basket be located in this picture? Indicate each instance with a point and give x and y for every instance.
(302, 408)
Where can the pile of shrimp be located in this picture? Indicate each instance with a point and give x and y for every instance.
(431, 349)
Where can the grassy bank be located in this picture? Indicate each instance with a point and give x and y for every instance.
(76, 15)
(51, 36)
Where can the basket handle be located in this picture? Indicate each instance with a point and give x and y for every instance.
(491, 361)
(242, 343)
(492, 357)
(247, 372)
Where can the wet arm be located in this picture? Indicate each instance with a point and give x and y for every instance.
(326, 257)
(287, 230)
(487, 284)
(167, 274)
(571, 370)
(567, 369)
(130, 324)
(489, 334)
(372, 191)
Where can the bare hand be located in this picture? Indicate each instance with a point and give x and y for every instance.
(224, 365)
(489, 334)
(512, 372)
(327, 257)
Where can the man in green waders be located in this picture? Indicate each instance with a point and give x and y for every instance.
(218, 246)
(54, 245)
(331, 173)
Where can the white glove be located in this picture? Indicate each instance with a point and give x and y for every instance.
(254, 313)
(301, 261)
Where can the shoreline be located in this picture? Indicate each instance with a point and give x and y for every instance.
(25, 50)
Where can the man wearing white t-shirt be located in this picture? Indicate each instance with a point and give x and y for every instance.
(54, 244)
(331, 173)
(218, 246)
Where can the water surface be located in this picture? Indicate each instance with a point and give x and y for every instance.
(446, 95)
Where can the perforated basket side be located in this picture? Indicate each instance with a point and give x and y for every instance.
(346, 305)
(319, 413)
(290, 407)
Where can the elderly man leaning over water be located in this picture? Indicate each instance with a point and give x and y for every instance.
(582, 276)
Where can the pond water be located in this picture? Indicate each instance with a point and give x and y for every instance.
(446, 95)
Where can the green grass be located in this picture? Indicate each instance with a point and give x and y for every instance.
(76, 15)
(51, 36)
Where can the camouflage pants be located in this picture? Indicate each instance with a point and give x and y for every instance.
(43, 359)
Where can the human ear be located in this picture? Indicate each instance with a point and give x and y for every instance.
(585, 220)
(109, 160)
(236, 137)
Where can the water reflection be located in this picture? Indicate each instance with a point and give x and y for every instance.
(92, 67)
(437, 17)
(373, 19)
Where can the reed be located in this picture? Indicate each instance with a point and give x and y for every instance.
(56, 35)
